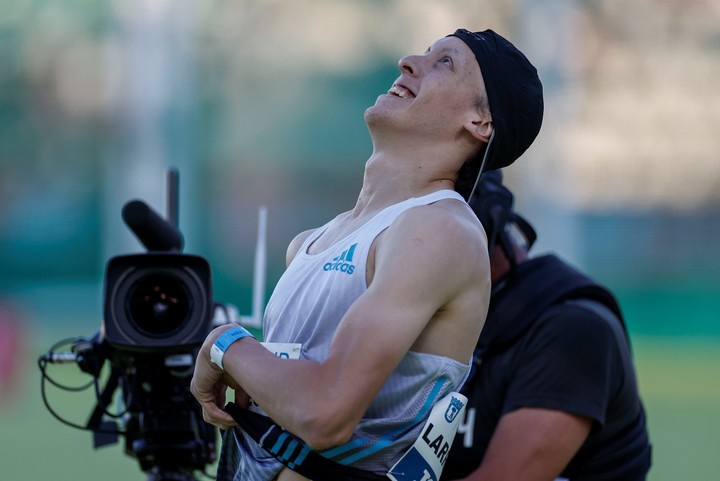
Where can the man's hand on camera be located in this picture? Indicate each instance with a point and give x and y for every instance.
(210, 383)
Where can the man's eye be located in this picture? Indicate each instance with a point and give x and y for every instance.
(446, 60)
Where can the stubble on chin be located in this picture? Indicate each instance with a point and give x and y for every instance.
(374, 115)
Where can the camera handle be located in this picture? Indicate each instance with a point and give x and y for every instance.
(102, 437)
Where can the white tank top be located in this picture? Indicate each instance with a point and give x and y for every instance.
(306, 307)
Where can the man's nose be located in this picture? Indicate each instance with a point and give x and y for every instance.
(409, 64)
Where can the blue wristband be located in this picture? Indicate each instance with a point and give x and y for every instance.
(222, 343)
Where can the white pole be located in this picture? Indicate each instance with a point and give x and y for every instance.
(258, 294)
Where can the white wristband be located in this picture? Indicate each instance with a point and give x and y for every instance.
(221, 344)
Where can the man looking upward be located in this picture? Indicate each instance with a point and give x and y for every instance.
(385, 301)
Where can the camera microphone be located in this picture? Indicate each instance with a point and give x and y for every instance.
(155, 233)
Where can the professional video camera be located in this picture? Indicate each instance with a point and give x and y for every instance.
(158, 309)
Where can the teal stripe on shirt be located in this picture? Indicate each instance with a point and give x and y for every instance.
(387, 440)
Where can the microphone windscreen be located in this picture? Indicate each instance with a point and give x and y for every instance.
(155, 233)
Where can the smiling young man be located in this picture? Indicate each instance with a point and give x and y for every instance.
(384, 303)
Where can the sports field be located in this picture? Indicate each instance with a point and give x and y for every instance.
(679, 378)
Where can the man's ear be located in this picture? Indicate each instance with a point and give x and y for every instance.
(481, 127)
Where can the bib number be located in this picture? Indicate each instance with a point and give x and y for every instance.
(425, 459)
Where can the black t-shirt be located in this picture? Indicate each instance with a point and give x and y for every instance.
(574, 358)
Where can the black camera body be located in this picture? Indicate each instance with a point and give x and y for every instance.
(158, 310)
(157, 302)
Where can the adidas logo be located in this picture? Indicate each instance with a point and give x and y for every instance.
(343, 262)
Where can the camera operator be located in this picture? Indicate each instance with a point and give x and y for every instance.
(553, 391)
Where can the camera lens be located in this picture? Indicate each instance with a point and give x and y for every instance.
(158, 303)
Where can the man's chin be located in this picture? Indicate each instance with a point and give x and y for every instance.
(376, 113)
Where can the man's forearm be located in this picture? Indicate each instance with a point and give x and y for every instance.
(300, 395)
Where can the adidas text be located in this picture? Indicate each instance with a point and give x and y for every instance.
(339, 266)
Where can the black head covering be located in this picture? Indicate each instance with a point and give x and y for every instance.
(514, 93)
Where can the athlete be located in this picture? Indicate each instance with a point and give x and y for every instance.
(384, 303)
(553, 392)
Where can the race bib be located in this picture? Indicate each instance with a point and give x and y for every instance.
(425, 459)
(284, 350)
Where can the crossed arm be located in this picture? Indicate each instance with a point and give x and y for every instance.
(421, 267)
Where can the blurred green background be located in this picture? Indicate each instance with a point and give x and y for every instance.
(260, 102)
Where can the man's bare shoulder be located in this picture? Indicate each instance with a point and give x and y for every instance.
(447, 221)
(296, 243)
(443, 242)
